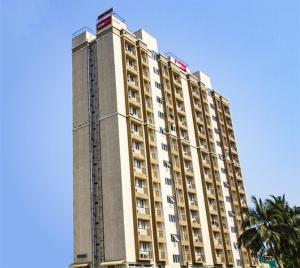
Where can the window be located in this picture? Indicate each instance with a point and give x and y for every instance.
(141, 224)
(139, 183)
(168, 181)
(219, 143)
(172, 218)
(212, 106)
(155, 70)
(154, 55)
(231, 214)
(223, 170)
(159, 100)
(137, 163)
(226, 184)
(140, 203)
(133, 111)
(135, 128)
(170, 199)
(164, 147)
(136, 145)
(160, 114)
(162, 130)
(217, 131)
(166, 164)
(209, 92)
(233, 229)
(144, 246)
(221, 157)
(214, 117)
(239, 262)
(176, 258)
(174, 238)
(173, 128)
(235, 245)
(158, 85)
(228, 199)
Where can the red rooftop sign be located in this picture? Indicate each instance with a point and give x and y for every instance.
(104, 14)
(103, 23)
(181, 65)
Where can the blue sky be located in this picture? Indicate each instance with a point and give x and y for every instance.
(249, 48)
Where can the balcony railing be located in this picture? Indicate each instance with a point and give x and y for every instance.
(138, 133)
(138, 151)
(142, 190)
(144, 231)
(145, 254)
(193, 202)
(140, 170)
(142, 210)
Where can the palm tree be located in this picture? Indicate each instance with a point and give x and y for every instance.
(286, 221)
(259, 235)
(272, 227)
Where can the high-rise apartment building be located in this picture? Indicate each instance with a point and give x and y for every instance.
(157, 179)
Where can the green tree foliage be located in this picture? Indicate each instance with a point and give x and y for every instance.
(272, 227)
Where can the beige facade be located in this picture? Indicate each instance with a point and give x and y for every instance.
(157, 179)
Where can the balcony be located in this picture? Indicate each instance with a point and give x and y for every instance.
(133, 82)
(155, 175)
(158, 214)
(215, 224)
(195, 220)
(191, 185)
(144, 234)
(130, 51)
(220, 258)
(136, 114)
(138, 153)
(178, 181)
(150, 118)
(153, 157)
(213, 208)
(157, 194)
(140, 171)
(143, 211)
(149, 106)
(141, 190)
(206, 162)
(193, 203)
(187, 154)
(145, 254)
(182, 218)
(210, 191)
(178, 94)
(184, 237)
(146, 74)
(186, 256)
(162, 255)
(200, 258)
(181, 109)
(180, 199)
(147, 90)
(131, 66)
(137, 134)
(152, 138)
(189, 170)
(144, 60)
(218, 241)
(134, 97)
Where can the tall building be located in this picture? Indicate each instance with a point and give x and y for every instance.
(157, 179)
